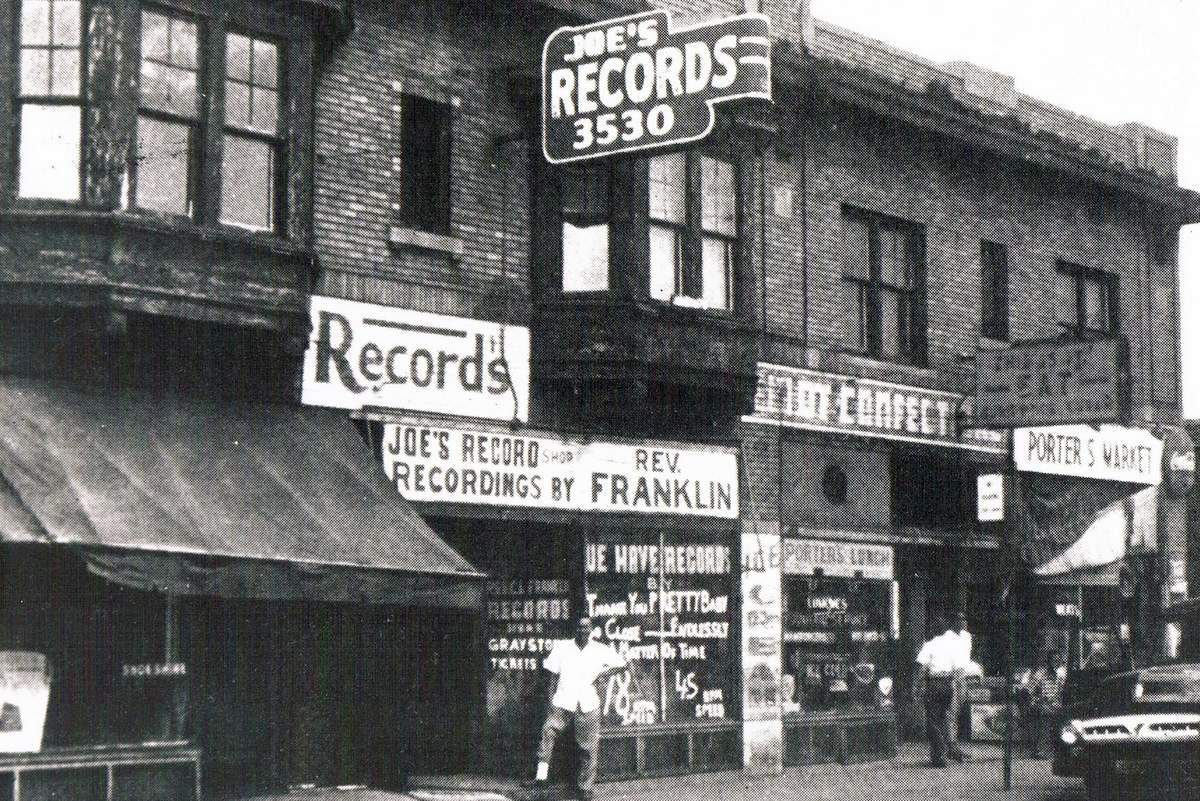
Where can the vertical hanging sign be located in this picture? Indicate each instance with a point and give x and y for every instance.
(636, 82)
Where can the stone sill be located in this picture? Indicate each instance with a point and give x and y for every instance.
(398, 236)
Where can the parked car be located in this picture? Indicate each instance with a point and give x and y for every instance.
(1138, 734)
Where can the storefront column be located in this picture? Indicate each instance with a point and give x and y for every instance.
(762, 633)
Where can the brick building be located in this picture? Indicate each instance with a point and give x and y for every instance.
(796, 299)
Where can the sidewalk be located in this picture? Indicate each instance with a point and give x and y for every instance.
(908, 776)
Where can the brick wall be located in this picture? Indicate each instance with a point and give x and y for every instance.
(425, 49)
(963, 197)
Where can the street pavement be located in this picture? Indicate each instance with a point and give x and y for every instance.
(908, 776)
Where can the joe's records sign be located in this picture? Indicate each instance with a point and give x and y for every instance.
(1052, 382)
(637, 82)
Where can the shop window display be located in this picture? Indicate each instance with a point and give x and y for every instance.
(839, 655)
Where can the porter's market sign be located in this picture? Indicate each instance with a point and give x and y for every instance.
(460, 464)
(1112, 453)
(637, 82)
(363, 355)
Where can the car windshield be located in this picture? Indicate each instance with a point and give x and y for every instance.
(1134, 693)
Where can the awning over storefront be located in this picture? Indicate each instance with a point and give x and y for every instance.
(216, 497)
(1129, 525)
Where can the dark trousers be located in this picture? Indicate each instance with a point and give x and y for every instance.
(587, 737)
(939, 704)
(1041, 727)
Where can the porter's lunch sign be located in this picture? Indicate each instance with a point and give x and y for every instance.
(459, 464)
(637, 82)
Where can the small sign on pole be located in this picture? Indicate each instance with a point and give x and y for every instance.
(990, 497)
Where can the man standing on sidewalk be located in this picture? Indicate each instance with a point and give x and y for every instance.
(966, 645)
(941, 661)
(576, 664)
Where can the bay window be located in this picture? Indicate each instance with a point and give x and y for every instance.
(222, 163)
(50, 100)
(693, 230)
(251, 146)
(585, 229)
(162, 176)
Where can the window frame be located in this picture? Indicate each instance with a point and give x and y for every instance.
(1080, 277)
(197, 127)
(277, 142)
(110, 190)
(19, 100)
(444, 189)
(913, 325)
(585, 173)
(994, 270)
(691, 234)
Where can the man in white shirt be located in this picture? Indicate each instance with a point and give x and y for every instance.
(965, 643)
(941, 660)
(577, 664)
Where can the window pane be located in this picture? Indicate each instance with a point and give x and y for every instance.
(585, 258)
(893, 324)
(169, 89)
(162, 166)
(66, 22)
(35, 72)
(585, 195)
(183, 43)
(50, 152)
(893, 261)
(64, 81)
(1095, 304)
(717, 196)
(994, 290)
(856, 248)
(664, 262)
(237, 57)
(266, 65)
(156, 36)
(717, 267)
(855, 316)
(35, 22)
(668, 187)
(425, 163)
(1065, 302)
(265, 111)
(237, 104)
(247, 183)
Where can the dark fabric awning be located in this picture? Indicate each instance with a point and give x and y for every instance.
(252, 499)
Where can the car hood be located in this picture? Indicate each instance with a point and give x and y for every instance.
(1140, 727)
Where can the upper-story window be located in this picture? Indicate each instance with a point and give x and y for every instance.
(993, 286)
(693, 230)
(425, 136)
(883, 269)
(50, 100)
(223, 163)
(163, 174)
(1086, 300)
(586, 203)
(252, 144)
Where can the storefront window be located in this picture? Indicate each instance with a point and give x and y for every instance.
(662, 600)
(837, 644)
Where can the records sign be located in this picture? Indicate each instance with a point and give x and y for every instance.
(1050, 383)
(636, 82)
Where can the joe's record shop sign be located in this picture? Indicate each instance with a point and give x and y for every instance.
(638, 82)
(452, 463)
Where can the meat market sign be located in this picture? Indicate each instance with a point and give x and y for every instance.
(498, 467)
(1048, 383)
(636, 82)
